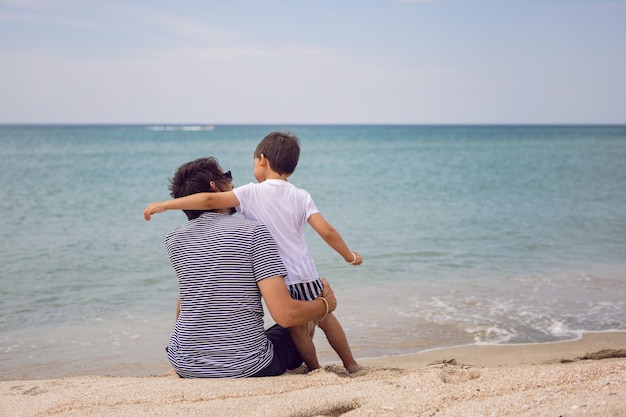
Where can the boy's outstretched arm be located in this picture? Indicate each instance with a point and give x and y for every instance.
(200, 201)
(332, 237)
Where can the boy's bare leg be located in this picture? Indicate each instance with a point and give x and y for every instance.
(339, 342)
(302, 337)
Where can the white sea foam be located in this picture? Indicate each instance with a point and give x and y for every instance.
(188, 128)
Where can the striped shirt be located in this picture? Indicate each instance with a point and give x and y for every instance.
(218, 260)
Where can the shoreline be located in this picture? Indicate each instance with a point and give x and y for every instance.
(570, 378)
(492, 355)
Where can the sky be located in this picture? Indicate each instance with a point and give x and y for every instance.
(313, 61)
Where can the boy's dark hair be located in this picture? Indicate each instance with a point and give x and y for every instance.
(282, 150)
(195, 177)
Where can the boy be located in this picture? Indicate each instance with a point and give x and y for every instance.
(285, 210)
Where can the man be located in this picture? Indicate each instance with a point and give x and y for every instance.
(224, 266)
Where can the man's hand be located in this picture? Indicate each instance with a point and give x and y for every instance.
(328, 294)
(153, 208)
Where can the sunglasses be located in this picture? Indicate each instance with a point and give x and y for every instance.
(226, 175)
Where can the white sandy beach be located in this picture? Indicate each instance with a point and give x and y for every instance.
(586, 377)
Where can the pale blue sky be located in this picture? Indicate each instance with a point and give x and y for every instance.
(306, 61)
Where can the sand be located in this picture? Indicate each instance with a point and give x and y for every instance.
(586, 377)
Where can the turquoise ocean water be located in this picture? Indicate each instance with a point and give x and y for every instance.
(469, 234)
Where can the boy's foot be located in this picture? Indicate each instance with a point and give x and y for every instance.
(354, 369)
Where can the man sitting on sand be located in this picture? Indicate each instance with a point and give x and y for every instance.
(224, 266)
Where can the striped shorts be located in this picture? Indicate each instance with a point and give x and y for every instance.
(306, 291)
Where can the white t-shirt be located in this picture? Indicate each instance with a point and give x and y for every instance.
(284, 209)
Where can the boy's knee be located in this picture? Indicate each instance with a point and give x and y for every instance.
(297, 330)
(327, 320)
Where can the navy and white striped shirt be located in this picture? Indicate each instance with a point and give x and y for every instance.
(220, 331)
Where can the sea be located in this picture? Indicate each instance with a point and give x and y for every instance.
(470, 235)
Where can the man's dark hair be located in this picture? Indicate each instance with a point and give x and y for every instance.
(282, 150)
(195, 177)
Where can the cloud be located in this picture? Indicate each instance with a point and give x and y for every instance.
(16, 18)
(609, 5)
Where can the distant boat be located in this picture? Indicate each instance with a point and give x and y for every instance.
(182, 127)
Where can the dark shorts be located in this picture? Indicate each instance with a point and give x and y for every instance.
(286, 355)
